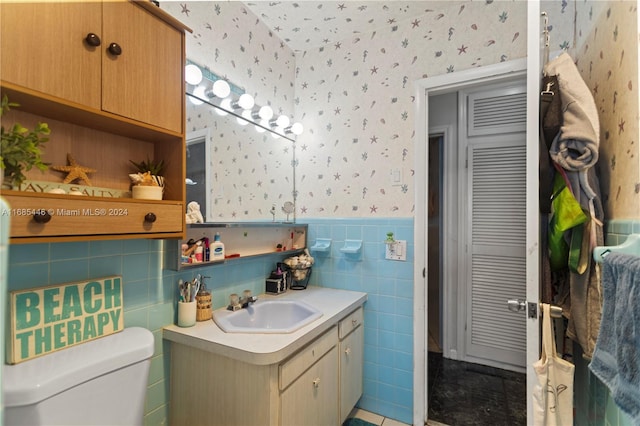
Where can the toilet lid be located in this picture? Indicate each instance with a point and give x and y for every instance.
(40, 378)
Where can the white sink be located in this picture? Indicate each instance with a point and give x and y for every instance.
(267, 316)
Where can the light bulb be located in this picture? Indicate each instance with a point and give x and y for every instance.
(192, 74)
(221, 89)
(260, 129)
(198, 92)
(247, 114)
(246, 101)
(225, 106)
(241, 121)
(297, 128)
(283, 121)
(266, 113)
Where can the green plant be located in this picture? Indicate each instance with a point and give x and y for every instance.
(20, 147)
(154, 167)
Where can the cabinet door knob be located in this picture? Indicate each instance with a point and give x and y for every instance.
(41, 216)
(354, 322)
(150, 217)
(316, 382)
(115, 49)
(347, 351)
(92, 40)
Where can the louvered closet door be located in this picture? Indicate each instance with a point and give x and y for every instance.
(495, 237)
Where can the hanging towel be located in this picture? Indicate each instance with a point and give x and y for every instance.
(616, 359)
(575, 150)
(576, 146)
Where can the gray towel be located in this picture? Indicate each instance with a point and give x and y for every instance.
(616, 359)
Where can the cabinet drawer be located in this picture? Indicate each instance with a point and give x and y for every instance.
(304, 359)
(82, 217)
(351, 322)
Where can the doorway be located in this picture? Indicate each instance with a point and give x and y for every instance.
(446, 84)
(434, 278)
(459, 392)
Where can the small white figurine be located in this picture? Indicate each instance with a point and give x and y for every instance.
(193, 213)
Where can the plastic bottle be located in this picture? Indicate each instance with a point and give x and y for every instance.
(199, 252)
(217, 248)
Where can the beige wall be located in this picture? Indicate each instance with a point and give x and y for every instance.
(606, 49)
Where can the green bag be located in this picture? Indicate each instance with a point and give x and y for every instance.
(566, 215)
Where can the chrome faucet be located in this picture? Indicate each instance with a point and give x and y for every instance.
(236, 302)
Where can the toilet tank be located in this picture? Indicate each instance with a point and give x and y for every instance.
(101, 382)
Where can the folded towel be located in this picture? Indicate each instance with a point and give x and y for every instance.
(616, 359)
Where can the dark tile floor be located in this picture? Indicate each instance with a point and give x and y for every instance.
(461, 393)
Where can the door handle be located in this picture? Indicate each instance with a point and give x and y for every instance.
(517, 305)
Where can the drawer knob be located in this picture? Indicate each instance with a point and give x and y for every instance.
(115, 49)
(316, 382)
(41, 216)
(150, 217)
(92, 40)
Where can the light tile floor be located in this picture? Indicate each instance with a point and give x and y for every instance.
(376, 419)
(383, 421)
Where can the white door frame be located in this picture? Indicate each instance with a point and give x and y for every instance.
(452, 83)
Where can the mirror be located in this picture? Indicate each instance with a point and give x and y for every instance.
(237, 170)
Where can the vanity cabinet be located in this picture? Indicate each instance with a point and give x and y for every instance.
(307, 388)
(107, 77)
(351, 333)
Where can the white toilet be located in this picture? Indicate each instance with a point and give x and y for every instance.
(101, 382)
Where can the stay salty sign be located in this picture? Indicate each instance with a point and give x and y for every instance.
(47, 319)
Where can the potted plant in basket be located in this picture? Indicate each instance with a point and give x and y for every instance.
(148, 182)
(20, 148)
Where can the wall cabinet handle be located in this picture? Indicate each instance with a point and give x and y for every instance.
(150, 217)
(115, 49)
(41, 216)
(92, 40)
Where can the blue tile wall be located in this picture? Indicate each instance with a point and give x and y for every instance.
(149, 292)
(388, 338)
(593, 403)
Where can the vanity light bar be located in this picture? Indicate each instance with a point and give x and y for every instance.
(223, 89)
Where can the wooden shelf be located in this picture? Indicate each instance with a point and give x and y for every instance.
(243, 239)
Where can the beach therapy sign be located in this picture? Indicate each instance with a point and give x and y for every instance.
(47, 319)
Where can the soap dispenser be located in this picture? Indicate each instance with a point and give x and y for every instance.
(217, 248)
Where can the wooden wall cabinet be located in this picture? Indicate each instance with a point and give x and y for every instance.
(114, 56)
(108, 79)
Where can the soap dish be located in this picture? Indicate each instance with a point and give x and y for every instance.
(352, 246)
(322, 244)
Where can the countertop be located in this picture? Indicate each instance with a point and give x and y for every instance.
(266, 349)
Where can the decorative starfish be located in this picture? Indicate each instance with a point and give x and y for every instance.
(74, 171)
